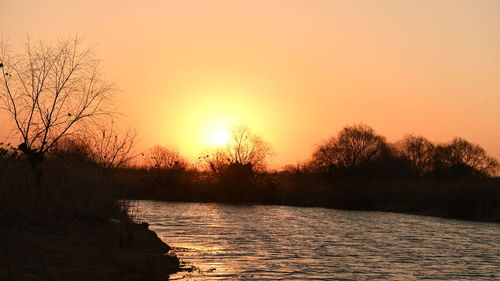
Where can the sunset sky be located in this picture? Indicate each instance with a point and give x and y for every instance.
(294, 71)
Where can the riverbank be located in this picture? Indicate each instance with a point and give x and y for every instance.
(80, 251)
(73, 225)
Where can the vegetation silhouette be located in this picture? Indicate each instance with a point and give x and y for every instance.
(235, 165)
(58, 190)
(356, 169)
(58, 101)
(48, 90)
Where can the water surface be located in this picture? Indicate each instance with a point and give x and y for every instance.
(226, 242)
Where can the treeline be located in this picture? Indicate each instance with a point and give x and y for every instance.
(356, 169)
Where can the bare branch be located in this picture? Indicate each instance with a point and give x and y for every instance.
(51, 88)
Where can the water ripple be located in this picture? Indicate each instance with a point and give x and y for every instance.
(226, 242)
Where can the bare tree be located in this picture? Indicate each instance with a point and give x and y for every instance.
(327, 154)
(48, 89)
(164, 158)
(461, 153)
(167, 165)
(353, 147)
(359, 144)
(112, 148)
(214, 160)
(72, 148)
(234, 166)
(419, 152)
(244, 149)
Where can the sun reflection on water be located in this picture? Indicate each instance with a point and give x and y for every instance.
(225, 242)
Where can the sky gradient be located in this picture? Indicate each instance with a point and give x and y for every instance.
(296, 72)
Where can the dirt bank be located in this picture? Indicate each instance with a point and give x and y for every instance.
(91, 250)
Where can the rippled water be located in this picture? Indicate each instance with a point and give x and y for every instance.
(226, 242)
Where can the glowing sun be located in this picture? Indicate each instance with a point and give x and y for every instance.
(217, 134)
(219, 137)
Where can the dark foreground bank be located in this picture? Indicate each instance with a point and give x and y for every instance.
(83, 251)
(64, 220)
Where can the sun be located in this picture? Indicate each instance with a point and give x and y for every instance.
(219, 137)
(216, 134)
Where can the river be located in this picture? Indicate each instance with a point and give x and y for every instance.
(256, 242)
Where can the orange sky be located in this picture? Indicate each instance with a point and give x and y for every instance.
(296, 72)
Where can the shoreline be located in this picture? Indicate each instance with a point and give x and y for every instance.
(80, 251)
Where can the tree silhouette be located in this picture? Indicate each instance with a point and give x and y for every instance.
(419, 152)
(461, 158)
(111, 147)
(73, 149)
(359, 145)
(167, 164)
(48, 89)
(353, 147)
(235, 164)
(244, 148)
(160, 157)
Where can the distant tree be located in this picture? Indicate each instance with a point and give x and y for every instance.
(236, 163)
(167, 164)
(359, 145)
(244, 148)
(327, 154)
(326, 160)
(419, 152)
(48, 89)
(73, 149)
(214, 160)
(160, 157)
(353, 147)
(112, 147)
(460, 157)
